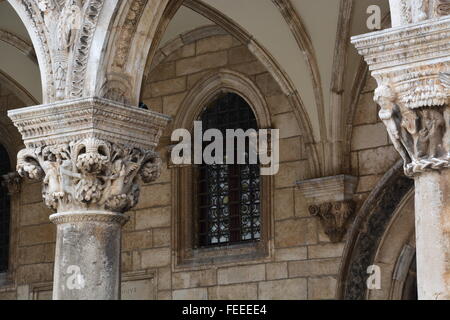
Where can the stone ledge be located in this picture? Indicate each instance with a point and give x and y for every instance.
(77, 119)
(328, 189)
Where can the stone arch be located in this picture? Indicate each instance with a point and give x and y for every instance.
(215, 83)
(205, 91)
(368, 234)
(265, 58)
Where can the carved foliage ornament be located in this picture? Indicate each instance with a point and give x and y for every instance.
(333, 217)
(89, 174)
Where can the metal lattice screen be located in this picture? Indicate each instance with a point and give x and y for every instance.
(4, 212)
(228, 195)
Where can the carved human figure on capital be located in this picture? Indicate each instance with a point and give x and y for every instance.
(418, 133)
(90, 174)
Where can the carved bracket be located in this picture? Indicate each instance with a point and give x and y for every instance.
(333, 217)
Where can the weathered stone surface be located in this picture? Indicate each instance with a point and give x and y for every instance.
(39, 234)
(172, 103)
(240, 55)
(291, 289)
(202, 62)
(234, 292)
(153, 217)
(152, 258)
(288, 125)
(367, 110)
(202, 278)
(284, 204)
(216, 43)
(275, 271)
(369, 136)
(241, 274)
(279, 104)
(163, 71)
(289, 173)
(137, 240)
(332, 250)
(291, 254)
(161, 237)
(36, 254)
(295, 232)
(377, 161)
(190, 294)
(322, 288)
(268, 85)
(164, 278)
(36, 213)
(35, 273)
(154, 195)
(313, 268)
(166, 87)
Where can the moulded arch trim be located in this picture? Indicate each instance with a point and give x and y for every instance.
(218, 82)
(367, 231)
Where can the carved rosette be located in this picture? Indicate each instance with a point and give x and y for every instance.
(96, 161)
(333, 217)
(412, 65)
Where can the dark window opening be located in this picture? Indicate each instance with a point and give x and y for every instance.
(4, 213)
(228, 196)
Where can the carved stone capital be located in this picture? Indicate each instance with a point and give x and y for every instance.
(12, 182)
(405, 12)
(411, 65)
(333, 217)
(90, 153)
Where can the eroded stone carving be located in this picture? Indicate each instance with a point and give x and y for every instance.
(89, 174)
(420, 135)
(11, 181)
(411, 68)
(405, 12)
(90, 153)
(333, 217)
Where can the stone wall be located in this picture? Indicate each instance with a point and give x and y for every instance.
(372, 153)
(301, 262)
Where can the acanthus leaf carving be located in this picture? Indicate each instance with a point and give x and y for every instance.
(89, 174)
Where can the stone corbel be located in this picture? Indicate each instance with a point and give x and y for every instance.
(333, 217)
(331, 201)
(12, 182)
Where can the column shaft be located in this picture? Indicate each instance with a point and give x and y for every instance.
(433, 235)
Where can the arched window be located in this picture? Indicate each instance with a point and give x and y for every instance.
(228, 195)
(4, 212)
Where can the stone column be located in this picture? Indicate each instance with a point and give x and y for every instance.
(411, 63)
(90, 154)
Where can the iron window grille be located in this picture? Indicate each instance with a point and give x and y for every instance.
(228, 196)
